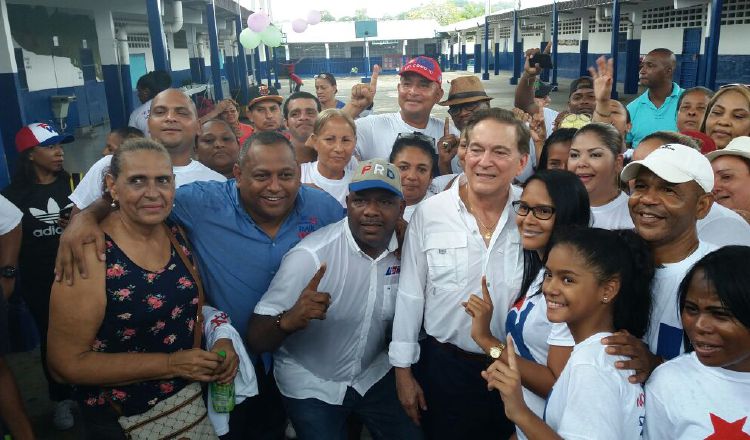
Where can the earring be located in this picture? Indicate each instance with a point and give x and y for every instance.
(605, 300)
(113, 204)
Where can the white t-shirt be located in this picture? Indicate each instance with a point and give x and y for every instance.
(533, 334)
(594, 400)
(338, 189)
(10, 216)
(91, 187)
(613, 215)
(722, 227)
(377, 133)
(688, 400)
(664, 335)
(349, 347)
(139, 117)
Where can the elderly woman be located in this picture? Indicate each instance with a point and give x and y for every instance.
(126, 334)
(334, 136)
(728, 115)
(732, 175)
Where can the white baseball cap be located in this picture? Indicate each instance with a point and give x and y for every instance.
(739, 146)
(675, 163)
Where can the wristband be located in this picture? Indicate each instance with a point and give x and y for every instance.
(278, 321)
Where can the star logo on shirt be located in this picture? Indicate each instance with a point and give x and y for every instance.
(724, 430)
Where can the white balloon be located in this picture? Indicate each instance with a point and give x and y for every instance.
(313, 17)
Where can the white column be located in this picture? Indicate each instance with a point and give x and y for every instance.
(328, 51)
(286, 52)
(105, 34)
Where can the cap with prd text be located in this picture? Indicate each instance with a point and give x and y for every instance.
(675, 163)
(376, 174)
(739, 146)
(425, 67)
(39, 133)
(263, 93)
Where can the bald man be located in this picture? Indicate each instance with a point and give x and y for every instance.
(656, 109)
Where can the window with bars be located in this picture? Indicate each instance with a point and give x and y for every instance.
(568, 27)
(735, 12)
(607, 26)
(503, 32)
(139, 41)
(667, 17)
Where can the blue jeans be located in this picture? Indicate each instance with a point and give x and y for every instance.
(379, 409)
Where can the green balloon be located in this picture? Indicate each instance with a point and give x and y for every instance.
(271, 36)
(249, 39)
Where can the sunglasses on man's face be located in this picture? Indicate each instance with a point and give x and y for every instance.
(458, 108)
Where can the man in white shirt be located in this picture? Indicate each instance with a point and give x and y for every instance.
(454, 239)
(670, 193)
(721, 226)
(174, 123)
(419, 89)
(331, 355)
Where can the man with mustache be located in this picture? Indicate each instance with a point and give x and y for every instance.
(331, 340)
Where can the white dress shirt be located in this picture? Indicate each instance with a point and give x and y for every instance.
(444, 258)
(349, 347)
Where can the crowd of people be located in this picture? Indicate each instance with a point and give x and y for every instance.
(502, 273)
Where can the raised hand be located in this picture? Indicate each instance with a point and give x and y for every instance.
(536, 69)
(447, 147)
(480, 310)
(602, 74)
(507, 380)
(311, 304)
(364, 94)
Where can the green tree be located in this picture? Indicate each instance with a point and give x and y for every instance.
(326, 15)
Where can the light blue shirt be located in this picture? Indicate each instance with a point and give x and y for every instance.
(237, 259)
(647, 119)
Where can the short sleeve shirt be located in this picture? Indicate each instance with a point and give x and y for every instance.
(647, 119)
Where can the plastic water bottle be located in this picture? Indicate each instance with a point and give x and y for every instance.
(222, 395)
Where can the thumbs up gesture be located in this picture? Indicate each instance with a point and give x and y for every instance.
(311, 304)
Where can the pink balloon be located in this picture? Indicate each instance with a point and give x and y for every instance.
(258, 21)
(299, 25)
(313, 17)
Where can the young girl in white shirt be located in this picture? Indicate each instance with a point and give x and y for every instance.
(596, 281)
(334, 137)
(705, 393)
(551, 199)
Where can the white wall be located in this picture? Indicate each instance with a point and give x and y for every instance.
(733, 40)
(667, 38)
(180, 59)
(48, 72)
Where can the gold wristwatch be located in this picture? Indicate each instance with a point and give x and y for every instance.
(496, 351)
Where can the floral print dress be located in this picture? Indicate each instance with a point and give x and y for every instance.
(146, 312)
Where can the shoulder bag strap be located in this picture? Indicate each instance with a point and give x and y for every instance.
(198, 329)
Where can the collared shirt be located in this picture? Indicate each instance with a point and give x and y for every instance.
(349, 347)
(443, 260)
(647, 119)
(237, 258)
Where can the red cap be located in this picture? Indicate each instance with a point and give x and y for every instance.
(706, 143)
(425, 67)
(39, 133)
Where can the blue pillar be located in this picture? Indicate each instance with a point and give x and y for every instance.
(486, 74)
(115, 103)
(477, 58)
(712, 50)
(276, 82)
(632, 63)
(268, 65)
(583, 68)
(229, 71)
(450, 58)
(497, 58)
(544, 76)
(195, 69)
(258, 71)
(464, 62)
(614, 49)
(156, 31)
(517, 51)
(241, 64)
(127, 88)
(555, 32)
(213, 42)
